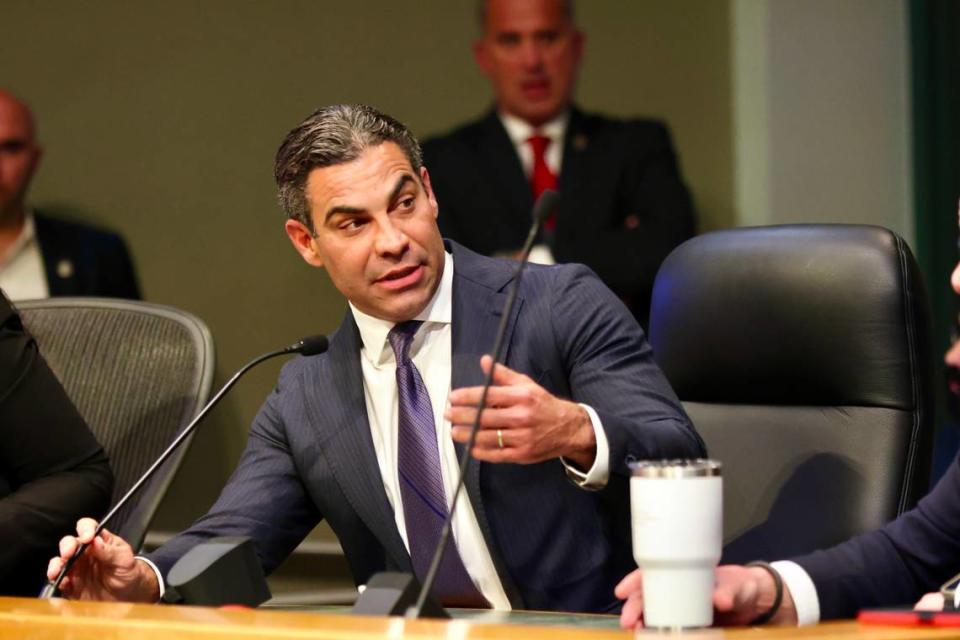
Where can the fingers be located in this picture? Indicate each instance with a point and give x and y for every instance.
(633, 581)
(930, 602)
(487, 446)
(952, 357)
(53, 568)
(632, 613)
(630, 589)
(502, 374)
(86, 528)
(491, 418)
(68, 546)
(497, 396)
(725, 598)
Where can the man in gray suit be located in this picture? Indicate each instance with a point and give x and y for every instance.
(367, 434)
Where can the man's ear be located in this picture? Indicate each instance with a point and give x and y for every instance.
(428, 189)
(34, 162)
(303, 242)
(579, 44)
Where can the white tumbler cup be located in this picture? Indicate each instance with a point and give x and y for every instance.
(677, 512)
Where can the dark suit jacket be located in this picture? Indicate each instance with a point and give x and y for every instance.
(624, 206)
(896, 564)
(84, 261)
(52, 469)
(555, 545)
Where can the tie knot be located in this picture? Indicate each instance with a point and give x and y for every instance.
(400, 338)
(539, 144)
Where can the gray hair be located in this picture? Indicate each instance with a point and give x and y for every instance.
(333, 135)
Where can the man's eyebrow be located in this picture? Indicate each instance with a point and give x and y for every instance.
(353, 211)
(401, 183)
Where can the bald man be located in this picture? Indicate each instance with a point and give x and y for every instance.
(623, 204)
(41, 256)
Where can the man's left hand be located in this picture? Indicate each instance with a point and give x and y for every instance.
(522, 422)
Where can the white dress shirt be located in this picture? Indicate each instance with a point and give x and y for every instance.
(519, 131)
(22, 274)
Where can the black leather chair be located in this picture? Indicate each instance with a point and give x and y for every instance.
(802, 354)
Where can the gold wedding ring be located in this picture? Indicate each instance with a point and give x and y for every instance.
(500, 437)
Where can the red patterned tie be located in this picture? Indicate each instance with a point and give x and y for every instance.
(541, 178)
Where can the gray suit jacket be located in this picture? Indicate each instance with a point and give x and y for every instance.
(555, 546)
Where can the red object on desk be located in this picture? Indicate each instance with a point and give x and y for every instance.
(909, 618)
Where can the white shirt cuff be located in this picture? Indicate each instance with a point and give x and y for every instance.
(598, 475)
(156, 571)
(541, 254)
(801, 588)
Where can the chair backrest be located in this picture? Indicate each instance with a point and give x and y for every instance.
(802, 354)
(137, 372)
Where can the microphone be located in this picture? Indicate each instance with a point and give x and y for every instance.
(546, 203)
(309, 346)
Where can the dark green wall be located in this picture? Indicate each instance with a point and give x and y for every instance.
(160, 119)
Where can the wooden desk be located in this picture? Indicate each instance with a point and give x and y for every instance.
(60, 619)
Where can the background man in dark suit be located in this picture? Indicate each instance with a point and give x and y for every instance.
(366, 435)
(42, 256)
(52, 469)
(891, 566)
(624, 204)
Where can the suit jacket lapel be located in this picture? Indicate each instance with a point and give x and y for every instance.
(339, 414)
(499, 159)
(478, 300)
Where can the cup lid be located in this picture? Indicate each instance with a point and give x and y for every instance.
(699, 467)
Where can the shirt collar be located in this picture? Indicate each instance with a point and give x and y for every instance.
(519, 130)
(373, 330)
(27, 235)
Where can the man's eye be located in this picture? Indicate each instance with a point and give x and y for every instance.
(407, 203)
(548, 37)
(351, 225)
(14, 146)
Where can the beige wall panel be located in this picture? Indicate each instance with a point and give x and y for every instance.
(160, 119)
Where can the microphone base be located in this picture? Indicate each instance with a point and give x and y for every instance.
(49, 591)
(395, 594)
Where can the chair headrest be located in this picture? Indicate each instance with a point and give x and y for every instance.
(793, 314)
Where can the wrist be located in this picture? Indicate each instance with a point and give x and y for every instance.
(148, 582)
(774, 604)
(583, 443)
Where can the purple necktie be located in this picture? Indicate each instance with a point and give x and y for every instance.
(421, 485)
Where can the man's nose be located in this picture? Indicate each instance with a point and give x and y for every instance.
(391, 240)
(531, 54)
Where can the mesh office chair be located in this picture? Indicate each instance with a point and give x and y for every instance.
(802, 354)
(137, 372)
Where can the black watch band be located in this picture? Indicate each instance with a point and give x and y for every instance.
(765, 617)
